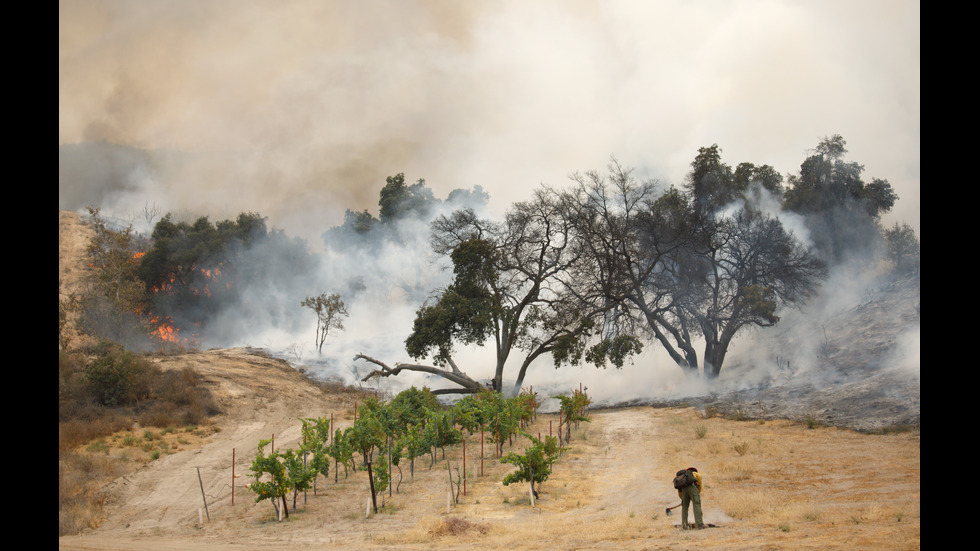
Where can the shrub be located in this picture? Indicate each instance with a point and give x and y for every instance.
(456, 526)
(99, 446)
(100, 397)
(76, 432)
(118, 377)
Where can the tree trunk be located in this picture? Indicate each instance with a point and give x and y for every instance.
(714, 357)
(686, 357)
(521, 374)
(374, 498)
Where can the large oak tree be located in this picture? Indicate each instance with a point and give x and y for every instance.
(687, 271)
(510, 288)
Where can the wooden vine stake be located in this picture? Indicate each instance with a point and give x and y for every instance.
(530, 486)
(449, 471)
(233, 476)
(202, 493)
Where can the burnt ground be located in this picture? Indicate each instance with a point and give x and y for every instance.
(854, 366)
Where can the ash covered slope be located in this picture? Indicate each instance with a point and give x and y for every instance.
(851, 361)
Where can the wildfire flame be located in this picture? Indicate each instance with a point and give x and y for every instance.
(166, 332)
(163, 328)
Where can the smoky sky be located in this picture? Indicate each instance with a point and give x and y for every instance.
(300, 109)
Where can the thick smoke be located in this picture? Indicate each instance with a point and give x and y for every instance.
(299, 110)
(300, 106)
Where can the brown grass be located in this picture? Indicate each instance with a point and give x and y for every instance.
(768, 485)
(815, 483)
(97, 444)
(791, 487)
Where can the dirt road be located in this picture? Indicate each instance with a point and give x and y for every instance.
(158, 506)
(608, 491)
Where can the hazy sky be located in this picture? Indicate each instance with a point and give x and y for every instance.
(303, 107)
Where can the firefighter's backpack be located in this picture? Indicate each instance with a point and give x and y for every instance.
(683, 479)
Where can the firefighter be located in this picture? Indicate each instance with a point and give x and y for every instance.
(691, 494)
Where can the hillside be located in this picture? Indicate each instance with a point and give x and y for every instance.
(840, 488)
(863, 370)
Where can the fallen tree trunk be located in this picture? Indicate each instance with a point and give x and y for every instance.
(468, 385)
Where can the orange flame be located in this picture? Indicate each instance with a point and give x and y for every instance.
(163, 328)
(166, 332)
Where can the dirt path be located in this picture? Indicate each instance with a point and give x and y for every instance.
(262, 398)
(158, 506)
(608, 491)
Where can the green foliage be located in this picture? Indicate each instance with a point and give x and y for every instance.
(341, 450)
(573, 407)
(300, 473)
(362, 231)
(411, 405)
(399, 200)
(284, 472)
(902, 248)
(841, 209)
(114, 256)
(439, 431)
(191, 261)
(526, 404)
(747, 174)
(195, 271)
(330, 313)
(617, 349)
(380, 471)
(67, 307)
(534, 465)
(368, 431)
(316, 435)
(117, 376)
(476, 410)
(711, 182)
(568, 349)
(464, 198)
(501, 418)
(359, 222)
(414, 443)
(760, 303)
(111, 310)
(572, 410)
(277, 484)
(467, 309)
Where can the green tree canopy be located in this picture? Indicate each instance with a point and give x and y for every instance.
(841, 210)
(195, 272)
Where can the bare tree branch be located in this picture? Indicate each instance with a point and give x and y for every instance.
(456, 376)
